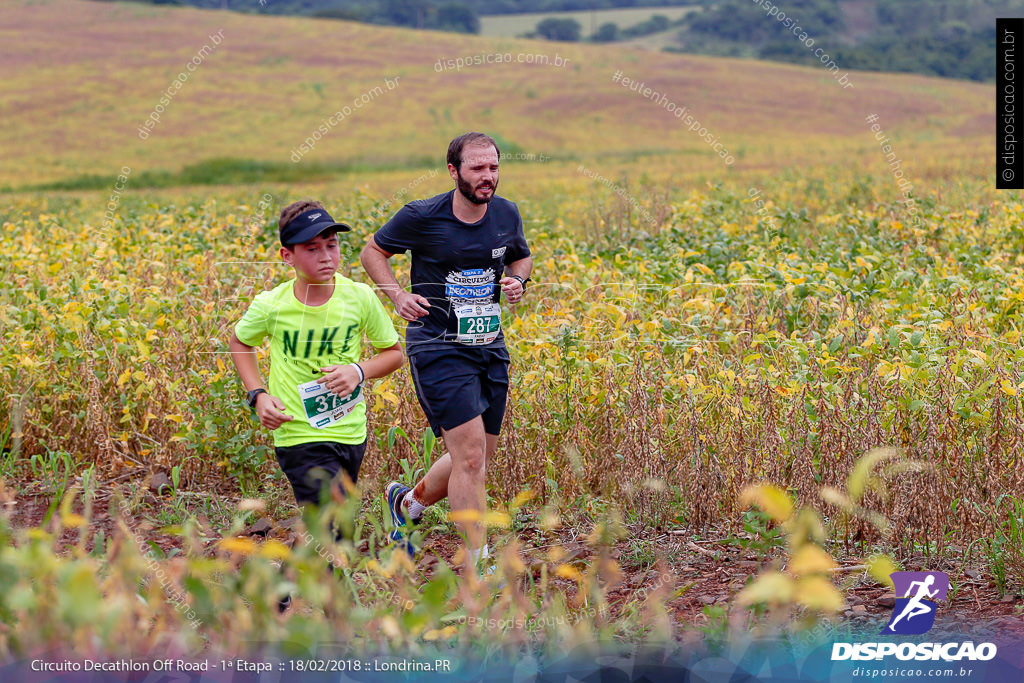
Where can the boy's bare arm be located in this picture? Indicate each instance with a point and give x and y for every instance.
(375, 262)
(244, 358)
(270, 409)
(343, 379)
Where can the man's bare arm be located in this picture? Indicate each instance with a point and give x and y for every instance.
(512, 287)
(375, 262)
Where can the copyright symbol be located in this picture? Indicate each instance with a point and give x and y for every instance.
(1007, 174)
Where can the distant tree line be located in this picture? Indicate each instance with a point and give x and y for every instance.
(438, 15)
(568, 29)
(950, 38)
(536, 6)
(378, 11)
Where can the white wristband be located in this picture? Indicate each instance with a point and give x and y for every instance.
(362, 375)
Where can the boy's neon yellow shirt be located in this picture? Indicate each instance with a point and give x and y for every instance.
(304, 339)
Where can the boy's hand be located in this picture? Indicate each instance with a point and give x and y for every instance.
(340, 379)
(270, 410)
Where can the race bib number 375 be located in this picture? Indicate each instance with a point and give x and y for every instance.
(323, 407)
(478, 325)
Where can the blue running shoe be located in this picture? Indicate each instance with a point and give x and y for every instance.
(395, 493)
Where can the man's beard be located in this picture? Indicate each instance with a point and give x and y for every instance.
(468, 192)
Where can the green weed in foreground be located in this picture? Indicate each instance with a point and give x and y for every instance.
(221, 591)
(805, 589)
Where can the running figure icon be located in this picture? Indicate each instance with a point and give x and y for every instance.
(920, 592)
(914, 606)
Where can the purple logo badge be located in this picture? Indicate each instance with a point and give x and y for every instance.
(917, 595)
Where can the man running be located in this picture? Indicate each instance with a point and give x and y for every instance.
(467, 247)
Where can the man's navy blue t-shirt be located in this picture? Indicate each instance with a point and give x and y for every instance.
(453, 263)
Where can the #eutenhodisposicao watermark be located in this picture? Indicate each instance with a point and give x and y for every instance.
(620, 191)
(174, 596)
(895, 167)
(682, 113)
(254, 228)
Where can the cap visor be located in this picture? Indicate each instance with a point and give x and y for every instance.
(314, 231)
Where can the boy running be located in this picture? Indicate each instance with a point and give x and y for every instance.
(314, 401)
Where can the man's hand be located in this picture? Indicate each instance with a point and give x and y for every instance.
(375, 261)
(270, 410)
(410, 306)
(340, 379)
(512, 288)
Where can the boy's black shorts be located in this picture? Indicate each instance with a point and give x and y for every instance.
(456, 384)
(309, 466)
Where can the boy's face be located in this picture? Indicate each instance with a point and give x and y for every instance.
(316, 260)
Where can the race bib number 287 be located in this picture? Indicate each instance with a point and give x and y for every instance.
(478, 325)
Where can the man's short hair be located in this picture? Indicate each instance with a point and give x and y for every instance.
(289, 212)
(456, 146)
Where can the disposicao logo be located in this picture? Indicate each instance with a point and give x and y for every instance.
(914, 614)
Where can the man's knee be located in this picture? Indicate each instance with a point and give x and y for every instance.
(471, 459)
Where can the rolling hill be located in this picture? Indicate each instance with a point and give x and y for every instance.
(383, 98)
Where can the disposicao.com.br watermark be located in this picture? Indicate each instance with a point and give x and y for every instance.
(538, 58)
(178, 83)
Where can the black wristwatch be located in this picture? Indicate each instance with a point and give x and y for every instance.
(251, 396)
(521, 280)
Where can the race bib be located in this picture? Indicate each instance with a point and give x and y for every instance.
(323, 407)
(478, 324)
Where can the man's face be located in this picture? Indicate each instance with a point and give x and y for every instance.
(477, 180)
(316, 260)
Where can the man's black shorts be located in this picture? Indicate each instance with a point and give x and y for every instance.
(310, 466)
(456, 384)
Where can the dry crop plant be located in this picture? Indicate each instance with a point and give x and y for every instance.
(711, 353)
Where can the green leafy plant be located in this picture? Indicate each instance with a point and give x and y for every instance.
(805, 586)
(761, 534)
(1004, 549)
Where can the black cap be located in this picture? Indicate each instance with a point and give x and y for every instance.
(308, 225)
